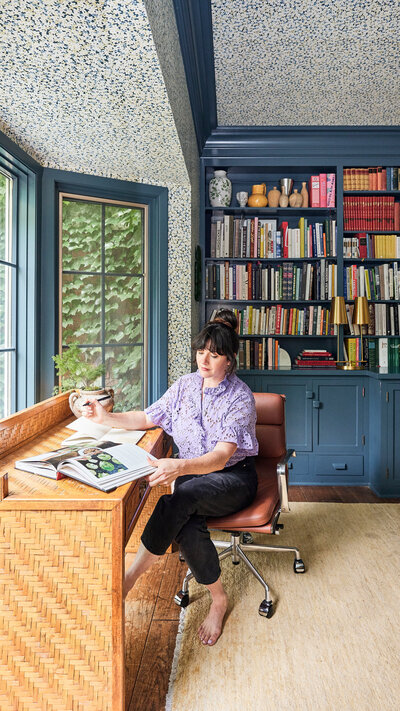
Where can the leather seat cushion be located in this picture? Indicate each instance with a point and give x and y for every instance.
(262, 510)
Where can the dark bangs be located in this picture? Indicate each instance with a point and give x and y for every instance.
(218, 338)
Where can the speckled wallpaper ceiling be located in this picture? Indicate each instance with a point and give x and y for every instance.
(82, 90)
(307, 62)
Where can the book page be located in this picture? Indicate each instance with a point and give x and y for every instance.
(85, 430)
(106, 460)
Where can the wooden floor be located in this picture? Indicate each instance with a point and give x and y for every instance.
(152, 616)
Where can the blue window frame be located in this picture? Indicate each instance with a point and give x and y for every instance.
(18, 283)
(155, 199)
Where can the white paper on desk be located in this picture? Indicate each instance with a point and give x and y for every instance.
(86, 429)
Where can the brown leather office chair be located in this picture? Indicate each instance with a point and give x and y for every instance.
(272, 498)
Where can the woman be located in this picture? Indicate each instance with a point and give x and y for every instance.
(211, 416)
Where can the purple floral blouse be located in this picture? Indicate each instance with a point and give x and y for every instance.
(226, 413)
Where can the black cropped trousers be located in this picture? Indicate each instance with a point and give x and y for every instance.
(181, 516)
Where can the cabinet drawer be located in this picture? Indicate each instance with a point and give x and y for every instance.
(298, 466)
(338, 466)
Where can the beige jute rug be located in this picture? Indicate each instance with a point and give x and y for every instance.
(333, 643)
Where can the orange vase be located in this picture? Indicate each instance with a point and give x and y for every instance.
(258, 196)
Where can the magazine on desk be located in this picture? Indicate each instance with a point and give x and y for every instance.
(104, 465)
(85, 430)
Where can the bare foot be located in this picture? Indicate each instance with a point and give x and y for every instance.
(211, 628)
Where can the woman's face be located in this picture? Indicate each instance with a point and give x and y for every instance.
(212, 366)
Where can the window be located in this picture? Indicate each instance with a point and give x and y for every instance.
(7, 297)
(103, 290)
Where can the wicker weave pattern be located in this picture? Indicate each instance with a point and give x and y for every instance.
(55, 606)
(33, 421)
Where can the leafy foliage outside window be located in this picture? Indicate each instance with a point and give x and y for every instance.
(103, 292)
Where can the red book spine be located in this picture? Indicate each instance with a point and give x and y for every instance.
(278, 319)
(314, 191)
(396, 216)
(284, 228)
(322, 190)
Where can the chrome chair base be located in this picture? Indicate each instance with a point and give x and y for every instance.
(235, 548)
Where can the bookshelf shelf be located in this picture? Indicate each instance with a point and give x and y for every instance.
(286, 302)
(287, 211)
(371, 192)
(372, 232)
(243, 260)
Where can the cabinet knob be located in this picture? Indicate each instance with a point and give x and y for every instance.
(339, 465)
(309, 394)
(316, 404)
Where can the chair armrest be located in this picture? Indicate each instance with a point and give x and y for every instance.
(281, 469)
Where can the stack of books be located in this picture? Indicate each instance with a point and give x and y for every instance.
(314, 359)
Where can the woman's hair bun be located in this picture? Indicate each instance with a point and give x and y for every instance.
(227, 317)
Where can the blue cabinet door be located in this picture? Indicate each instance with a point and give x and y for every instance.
(392, 474)
(338, 431)
(339, 416)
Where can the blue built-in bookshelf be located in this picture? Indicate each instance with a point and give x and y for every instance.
(279, 267)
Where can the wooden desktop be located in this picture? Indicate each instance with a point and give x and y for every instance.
(62, 548)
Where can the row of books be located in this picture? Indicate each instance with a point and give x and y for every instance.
(378, 354)
(262, 354)
(368, 246)
(244, 238)
(380, 282)
(314, 359)
(371, 212)
(376, 178)
(384, 320)
(278, 320)
(322, 190)
(281, 282)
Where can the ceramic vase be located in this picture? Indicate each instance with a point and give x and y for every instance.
(220, 189)
(79, 397)
(304, 194)
(295, 199)
(258, 196)
(273, 197)
(283, 200)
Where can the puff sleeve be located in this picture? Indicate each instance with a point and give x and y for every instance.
(238, 423)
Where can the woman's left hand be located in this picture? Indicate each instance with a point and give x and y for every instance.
(167, 470)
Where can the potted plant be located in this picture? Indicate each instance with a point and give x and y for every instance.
(80, 376)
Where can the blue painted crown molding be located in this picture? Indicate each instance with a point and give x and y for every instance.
(194, 23)
(339, 143)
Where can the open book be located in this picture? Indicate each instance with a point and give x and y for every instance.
(104, 465)
(87, 430)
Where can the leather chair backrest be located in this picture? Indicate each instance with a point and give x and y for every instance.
(270, 427)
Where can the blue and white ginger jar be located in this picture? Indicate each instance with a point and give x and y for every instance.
(220, 189)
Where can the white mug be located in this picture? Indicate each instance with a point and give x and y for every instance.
(242, 198)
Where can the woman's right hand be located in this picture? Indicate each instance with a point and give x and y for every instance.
(95, 411)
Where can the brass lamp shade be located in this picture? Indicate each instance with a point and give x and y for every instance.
(338, 311)
(360, 313)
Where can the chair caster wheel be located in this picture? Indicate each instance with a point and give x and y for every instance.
(266, 608)
(247, 538)
(182, 598)
(181, 558)
(298, 566)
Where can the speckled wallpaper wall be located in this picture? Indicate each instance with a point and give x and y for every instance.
(307, 62)
(82, 90)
